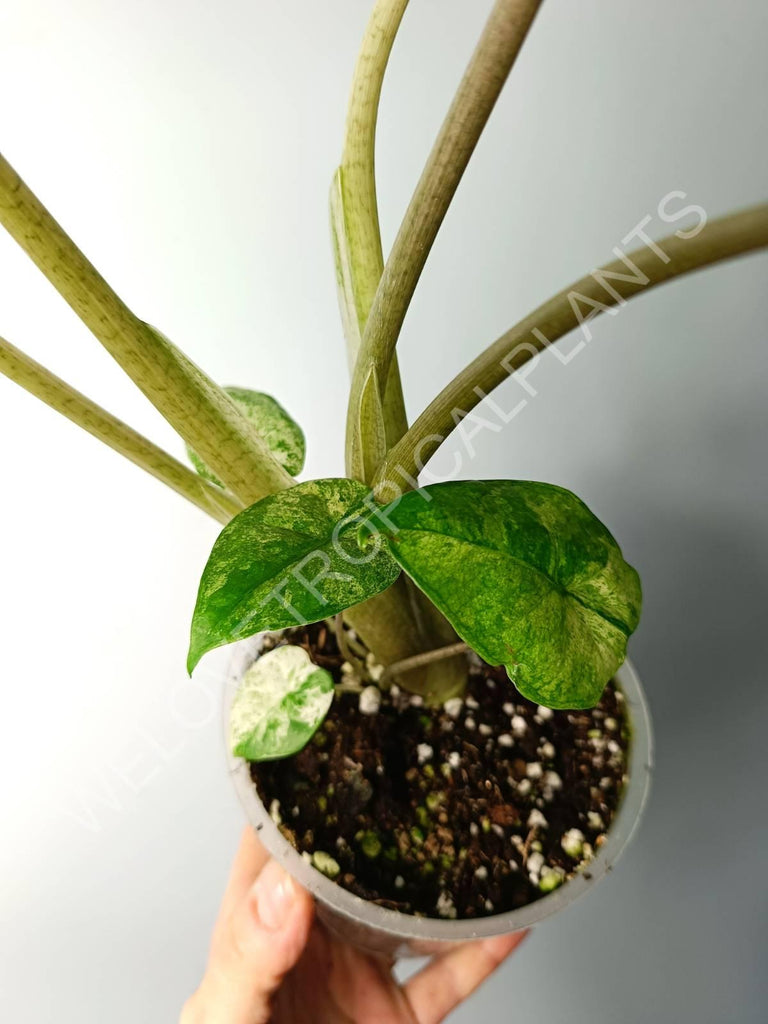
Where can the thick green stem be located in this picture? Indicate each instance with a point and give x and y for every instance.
(488, 69)
(600, 291)
(361, 215)
(400, 623)
(354, 208)
(194, 406)
(40, 382)
(395, 625)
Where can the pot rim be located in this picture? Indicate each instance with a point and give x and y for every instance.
(407, 927)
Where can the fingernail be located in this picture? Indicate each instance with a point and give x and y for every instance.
(275, 894)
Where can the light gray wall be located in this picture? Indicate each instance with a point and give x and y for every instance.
(188, 148)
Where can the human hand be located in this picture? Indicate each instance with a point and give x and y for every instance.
(271, 961)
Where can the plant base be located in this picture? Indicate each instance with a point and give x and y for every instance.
(471, 809)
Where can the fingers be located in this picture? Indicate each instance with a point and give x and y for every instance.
(449, 979)
(262, 930)
(249, 860)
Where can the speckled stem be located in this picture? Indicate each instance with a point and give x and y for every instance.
(718, 240)
(57, 394)
(354, 208)
(395, 625)
(197, 408)
(483, 80)
(400, 622)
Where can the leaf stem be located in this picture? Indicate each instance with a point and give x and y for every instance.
(401, 621)
(57, 394)
(361, 215)
(354, 208)
(609, 286)
(194, 406)
(483, 80)
(427, 658)
(345, 648)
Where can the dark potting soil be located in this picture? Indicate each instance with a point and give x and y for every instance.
(477, 807)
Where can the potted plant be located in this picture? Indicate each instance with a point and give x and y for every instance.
(425, 714)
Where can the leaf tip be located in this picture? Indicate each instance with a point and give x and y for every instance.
(194, 654)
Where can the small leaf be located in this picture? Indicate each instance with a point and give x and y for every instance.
(527, 576)
(282, 700)
(283, 436)
(290, 559)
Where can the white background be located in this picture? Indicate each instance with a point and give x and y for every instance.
(188, 148)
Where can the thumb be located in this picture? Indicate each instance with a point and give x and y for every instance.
(255, 946)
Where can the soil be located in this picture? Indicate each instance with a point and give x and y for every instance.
(474, 808)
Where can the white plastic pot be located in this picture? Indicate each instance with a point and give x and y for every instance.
(379, 930)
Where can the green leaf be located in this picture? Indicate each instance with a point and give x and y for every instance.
(527, 576)
(281, 701)
(290, 559)
(283, 436)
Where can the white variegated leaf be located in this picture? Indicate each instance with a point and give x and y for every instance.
(282, 700)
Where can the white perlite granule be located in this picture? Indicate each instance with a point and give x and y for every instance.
(595, 821)
(369, 701)
(445, 906)
(537, 820)
(519, 725)
(534, 864)
(573, 842)
(453, 707)
(424, 753)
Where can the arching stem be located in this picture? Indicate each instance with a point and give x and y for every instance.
(483, 80)
(609, 286)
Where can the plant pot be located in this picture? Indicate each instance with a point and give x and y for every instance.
(383, 931)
